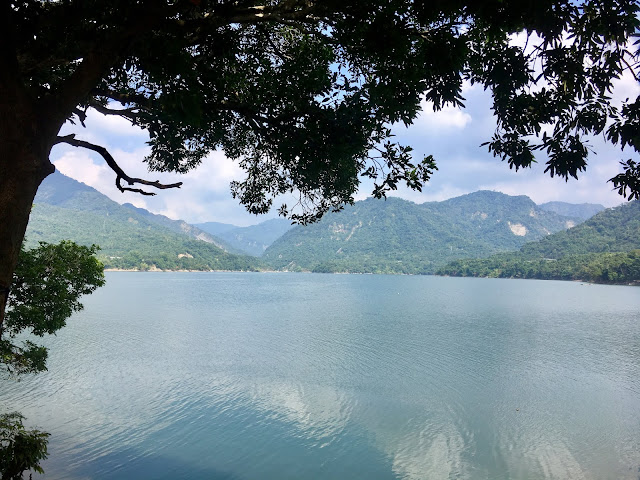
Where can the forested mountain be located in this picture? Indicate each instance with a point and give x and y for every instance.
(612, 230)
(581, 210)
(373, 236)
(398, 236)
(182, 227)
(605, 248)
(253, 239)
(65, 209)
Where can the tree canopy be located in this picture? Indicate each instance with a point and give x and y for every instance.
(303, 93)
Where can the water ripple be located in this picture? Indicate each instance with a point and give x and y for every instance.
(324, 376)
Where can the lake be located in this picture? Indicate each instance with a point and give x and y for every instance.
(245, 376)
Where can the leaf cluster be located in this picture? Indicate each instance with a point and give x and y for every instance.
(20, 449)
(47, 285)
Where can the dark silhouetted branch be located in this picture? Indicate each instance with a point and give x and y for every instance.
(82, 116)
(120, 174)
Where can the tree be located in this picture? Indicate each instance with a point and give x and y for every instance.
(47, 285)
(301, 92)
(46, 289)
(20, 449)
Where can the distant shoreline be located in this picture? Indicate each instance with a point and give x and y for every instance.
(159, 270)
(154, 270)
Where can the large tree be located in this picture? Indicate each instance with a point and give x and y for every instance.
(303, 92)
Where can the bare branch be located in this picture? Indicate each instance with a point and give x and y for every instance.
(120, 174)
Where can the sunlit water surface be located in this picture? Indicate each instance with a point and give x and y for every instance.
(305, 376)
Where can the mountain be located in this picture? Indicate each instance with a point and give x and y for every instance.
(182, 227)
(612, 230)
(583, 211)
(398, 236)
(215, 228)
(605, 248)
(252, 240)
(129, 237)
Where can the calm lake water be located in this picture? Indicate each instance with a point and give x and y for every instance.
(309, 376)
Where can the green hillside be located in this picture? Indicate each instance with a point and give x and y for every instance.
(184, 228)
(68, 210)
(605, 248)
(398, 236)
(612, 230)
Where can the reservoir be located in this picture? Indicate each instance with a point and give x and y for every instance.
(243, 376)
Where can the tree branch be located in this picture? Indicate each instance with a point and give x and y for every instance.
(120, 174)
(630, 68)
(82, 116)
(29, 64)
(141, 102)
(97, 61)
(287, 12)
(281, 12)
(125, 98)
(128, 113)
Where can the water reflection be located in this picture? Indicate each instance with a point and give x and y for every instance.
(319, 414)
(322, 376)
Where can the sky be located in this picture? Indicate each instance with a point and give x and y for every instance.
(453, 136)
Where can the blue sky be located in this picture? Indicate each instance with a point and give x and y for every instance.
(453, 136)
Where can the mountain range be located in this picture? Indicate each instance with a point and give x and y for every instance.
(372, 236)
(129, 237)
(398, 236)
(582, 211)
(252, 240)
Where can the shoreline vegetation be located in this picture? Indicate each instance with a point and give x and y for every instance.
(586, 281)
(610, 268)
(180, 270)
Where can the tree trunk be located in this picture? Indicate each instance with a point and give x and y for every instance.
(24, 163)
(27, 134)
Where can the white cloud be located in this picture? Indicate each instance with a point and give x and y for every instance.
(215, 173)
(204, 195)
(591, 188)
(626, 87)
(113, 124)
(449, 117)
(80, 166)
